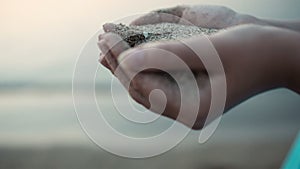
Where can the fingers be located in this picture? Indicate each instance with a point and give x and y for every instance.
(108, 55)
(145, 83)
(165, 55)
(111, 45)
(108, 27)
(115, 43)
(103, 61)
(141, 84)
(171, 15)
(138, 97)
(103, 48)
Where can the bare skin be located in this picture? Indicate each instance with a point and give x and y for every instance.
(256, 58)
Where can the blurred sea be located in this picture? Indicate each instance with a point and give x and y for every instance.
(39, 129)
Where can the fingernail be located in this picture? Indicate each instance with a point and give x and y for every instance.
(133, 59)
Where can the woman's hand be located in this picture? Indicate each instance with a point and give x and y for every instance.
(255, 59)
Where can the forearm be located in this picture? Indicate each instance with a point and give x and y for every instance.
(284, 45)
(266, 57)
(287, 51)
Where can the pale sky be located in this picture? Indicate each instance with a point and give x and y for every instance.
(41, 39)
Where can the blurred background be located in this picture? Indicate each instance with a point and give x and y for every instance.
(40, 42)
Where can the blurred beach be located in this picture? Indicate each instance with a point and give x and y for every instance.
(40, 42)
(42, 131)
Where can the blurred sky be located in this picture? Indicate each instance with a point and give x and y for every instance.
(40, 39)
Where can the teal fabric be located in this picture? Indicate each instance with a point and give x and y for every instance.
(293, 159)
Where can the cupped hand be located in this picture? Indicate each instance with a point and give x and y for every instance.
(207, 16)
(255, 59)
(140, 87)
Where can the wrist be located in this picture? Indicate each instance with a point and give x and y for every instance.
(294, 79)
(281, 59)
(289, 61)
